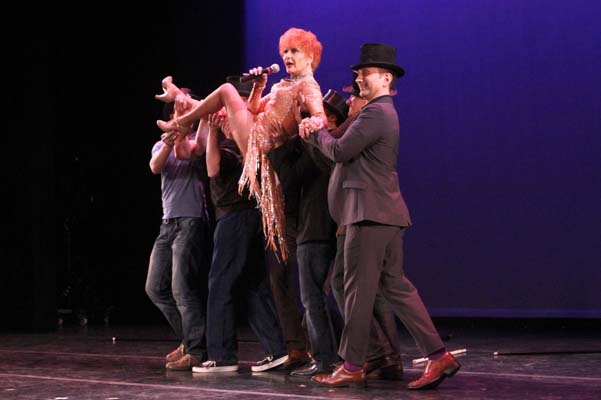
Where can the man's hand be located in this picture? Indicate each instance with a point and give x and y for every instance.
(309, 125)
(182, 105)
(170, 137)
(219, 120)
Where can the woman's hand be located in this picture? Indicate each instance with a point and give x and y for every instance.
(261, 78)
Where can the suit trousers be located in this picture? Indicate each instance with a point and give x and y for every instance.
(374, 262)
(384, 340)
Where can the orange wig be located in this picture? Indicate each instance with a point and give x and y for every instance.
(302, 40)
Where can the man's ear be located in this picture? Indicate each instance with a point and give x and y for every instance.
(388, 78)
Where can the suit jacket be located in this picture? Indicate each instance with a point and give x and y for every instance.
(364, 184)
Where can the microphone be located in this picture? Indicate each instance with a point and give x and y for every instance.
(274, 68)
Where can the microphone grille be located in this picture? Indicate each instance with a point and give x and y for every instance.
(275, 68)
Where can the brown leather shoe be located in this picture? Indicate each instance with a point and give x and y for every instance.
(341, 377)
(435, 372)
(296, 358)
(175, 354)
(183, 364)
(387, 367)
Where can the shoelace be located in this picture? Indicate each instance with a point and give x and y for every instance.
(266, 360)
(209, 364)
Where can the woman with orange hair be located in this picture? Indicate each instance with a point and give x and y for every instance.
(263, 123)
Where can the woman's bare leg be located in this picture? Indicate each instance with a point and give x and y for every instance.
(239, 118)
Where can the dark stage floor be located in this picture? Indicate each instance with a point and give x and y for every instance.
(84, 363)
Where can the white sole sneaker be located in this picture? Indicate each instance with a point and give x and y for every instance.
(268, 363)
(211, 367)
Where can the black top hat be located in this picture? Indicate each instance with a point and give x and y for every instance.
(243, 88)
(336, 104)
(379, 55)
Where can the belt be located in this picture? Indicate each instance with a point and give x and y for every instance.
(174, 220)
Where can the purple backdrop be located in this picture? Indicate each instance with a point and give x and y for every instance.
(500, 154)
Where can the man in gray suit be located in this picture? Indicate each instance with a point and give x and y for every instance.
(364, 196)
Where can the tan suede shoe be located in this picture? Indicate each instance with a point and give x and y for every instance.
(175, 354)
(183, 364)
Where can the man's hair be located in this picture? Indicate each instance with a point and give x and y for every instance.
(393, 78)
(169, 107)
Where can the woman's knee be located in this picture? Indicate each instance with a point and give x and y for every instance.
(230, 96)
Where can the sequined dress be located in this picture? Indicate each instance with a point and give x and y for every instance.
(276, 122)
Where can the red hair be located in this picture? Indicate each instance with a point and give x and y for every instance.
(302, 40)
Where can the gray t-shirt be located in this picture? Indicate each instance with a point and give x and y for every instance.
(181, 187)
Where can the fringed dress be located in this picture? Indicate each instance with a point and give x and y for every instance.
(274, 123)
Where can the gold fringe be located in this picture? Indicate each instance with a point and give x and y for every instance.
(267, 191)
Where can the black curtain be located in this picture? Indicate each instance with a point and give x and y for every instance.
(86, 207)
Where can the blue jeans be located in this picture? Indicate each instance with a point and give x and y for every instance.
(177, 279)
(238, 276)
(314, 262)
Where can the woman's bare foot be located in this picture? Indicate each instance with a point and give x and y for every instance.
(170, 91)
(167, 126)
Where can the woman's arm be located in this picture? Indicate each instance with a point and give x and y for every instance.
(255, 103)
(311, 100)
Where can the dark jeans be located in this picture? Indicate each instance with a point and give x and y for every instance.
(284, 286)
(314, 262)
(238, 276)
(177, 279)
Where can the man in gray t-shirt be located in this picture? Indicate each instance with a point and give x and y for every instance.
(181, 255)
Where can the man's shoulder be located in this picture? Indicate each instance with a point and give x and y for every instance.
(229, 144)
(157, 146)
(382, 101)
(378, 106)
(230, 151)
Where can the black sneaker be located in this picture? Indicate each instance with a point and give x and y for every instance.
(269, 362)
(215, 366)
